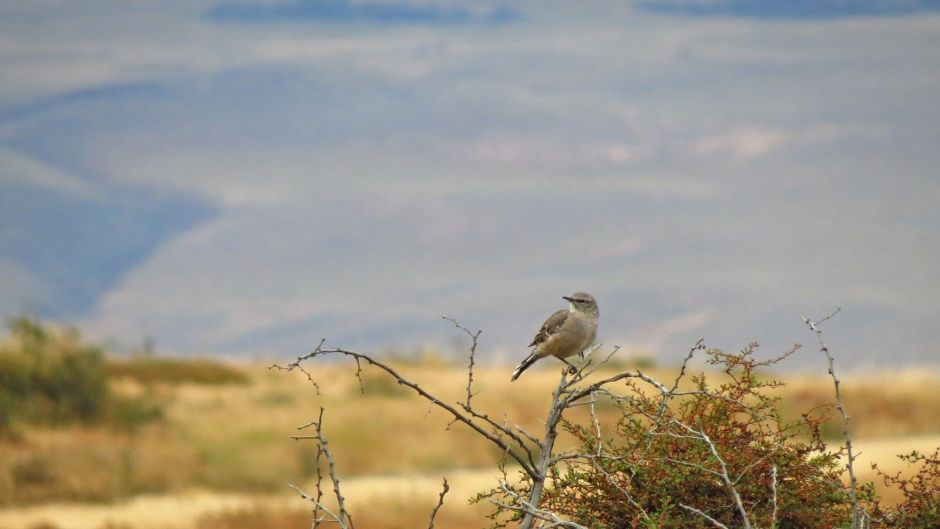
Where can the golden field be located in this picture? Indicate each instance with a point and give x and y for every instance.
(222, 456)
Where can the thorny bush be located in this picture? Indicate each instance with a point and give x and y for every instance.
(709, 455)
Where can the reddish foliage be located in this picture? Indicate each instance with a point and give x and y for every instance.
(921, 506)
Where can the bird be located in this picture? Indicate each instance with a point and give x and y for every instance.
(564, 333)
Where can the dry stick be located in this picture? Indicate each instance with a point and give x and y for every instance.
(440, 503)
(846, 420)
(526, 465)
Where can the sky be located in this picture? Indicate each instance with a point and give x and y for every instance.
(245, 178)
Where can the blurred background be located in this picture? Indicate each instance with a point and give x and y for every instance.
(246, 177)
(238, 179)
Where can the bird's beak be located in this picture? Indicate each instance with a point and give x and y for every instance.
(566, 298)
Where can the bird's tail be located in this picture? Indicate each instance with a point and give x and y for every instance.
(525, 364)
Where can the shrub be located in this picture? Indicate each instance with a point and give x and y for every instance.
(693, 458)
(920, 508)
(147, 369)
(667, 462)
(52, 377)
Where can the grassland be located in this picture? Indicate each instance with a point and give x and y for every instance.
(221, 457)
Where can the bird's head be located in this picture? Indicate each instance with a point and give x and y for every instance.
(582, 302)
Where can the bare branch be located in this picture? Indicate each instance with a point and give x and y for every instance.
(468, 420)
(531, 512)
(529, 436)
(857, 509)
(316, 386)
(320, 507)
(504, 428)
(773, 488)
(715, 522)
(581, 372)
(699, 345)
(474, 340)
(610, 479)
(342, 517)
(724, 470)
(558, 406)
(597, 426)
(362, 386)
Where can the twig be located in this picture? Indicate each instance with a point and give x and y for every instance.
(319, 507)
(846, 420)
(468, 420)
(342, 517)
(316, 386)
(531, 512)
(724, 471)
(331, 465)
(440, 503)
(597, 426)
(474, 340)
(671, 392)
(702, 514)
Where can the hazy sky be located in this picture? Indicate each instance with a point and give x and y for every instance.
(248, 177)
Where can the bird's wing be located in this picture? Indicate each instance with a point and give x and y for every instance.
(550, 327)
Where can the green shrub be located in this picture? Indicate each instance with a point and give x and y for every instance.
(52, 377)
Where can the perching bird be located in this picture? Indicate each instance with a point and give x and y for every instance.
(565, 333)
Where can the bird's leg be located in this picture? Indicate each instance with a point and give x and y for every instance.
(571, 368)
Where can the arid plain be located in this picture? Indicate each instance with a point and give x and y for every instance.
(222, 455)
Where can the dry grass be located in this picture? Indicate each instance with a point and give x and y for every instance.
(234, 441)
(378, 502)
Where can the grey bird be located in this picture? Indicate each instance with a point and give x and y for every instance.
(565, 333)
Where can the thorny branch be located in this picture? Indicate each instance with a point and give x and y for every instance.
(440, 503)
(474, 341)
(341, 517)
(857, 511)
(523, 460)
